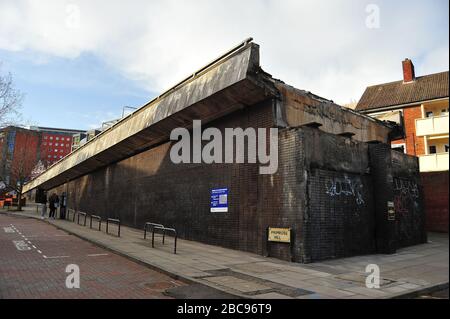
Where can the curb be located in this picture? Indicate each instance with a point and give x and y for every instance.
(171, 274)
(189, 280)
(422, 291)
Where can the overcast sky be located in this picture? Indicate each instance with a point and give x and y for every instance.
(79, 62)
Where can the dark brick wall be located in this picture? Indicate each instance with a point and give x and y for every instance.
(149, 187)
(408, 200)
(339, 210)
(435, 188)
(323, 191)
(381, 168)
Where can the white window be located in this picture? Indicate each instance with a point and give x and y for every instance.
(45, 143)
(57, 138)
(45, 137)
(67, 145)
(60, 156)
(54, 156)
(51, 137)
(49, 156)
(50, 144)
(56, 150)
(60, 150)
(68, 139)
(56, 144)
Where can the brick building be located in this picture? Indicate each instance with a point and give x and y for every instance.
(13, 142)
(44, 144)
(55, 143)
(330, 161)
(420, 106)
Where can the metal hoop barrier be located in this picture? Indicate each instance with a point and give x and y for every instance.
(164, 230)
(98, 218)
(78, 219)
(116, 221)
(151, 225)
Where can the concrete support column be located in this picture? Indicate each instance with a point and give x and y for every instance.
(383, 185)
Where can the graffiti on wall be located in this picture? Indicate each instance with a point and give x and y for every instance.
(345, 187)
(406, 194)
(406, 187)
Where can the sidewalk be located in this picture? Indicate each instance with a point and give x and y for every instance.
(247, 275)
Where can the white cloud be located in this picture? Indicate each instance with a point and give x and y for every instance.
(320, 46)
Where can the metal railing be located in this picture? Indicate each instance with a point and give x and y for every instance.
(97, 218)
(78, 219)
(152, 225)
(69, 210)
(112, 220)
(164, 229)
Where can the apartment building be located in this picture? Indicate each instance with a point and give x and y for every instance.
(420, 105)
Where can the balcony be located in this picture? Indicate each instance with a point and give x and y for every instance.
(433, 162)
(432, 125)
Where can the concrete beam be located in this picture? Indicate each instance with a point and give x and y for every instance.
(225, 86)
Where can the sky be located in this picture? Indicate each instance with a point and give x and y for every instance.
(79, 62)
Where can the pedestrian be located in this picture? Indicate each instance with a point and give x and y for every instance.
(52, 205)
(44, 206)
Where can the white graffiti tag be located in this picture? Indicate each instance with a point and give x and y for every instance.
(406, 187)
(346, 187)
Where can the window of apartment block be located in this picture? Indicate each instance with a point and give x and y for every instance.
(446, 148)
(429, 114)
(432, 149)
(51, 137)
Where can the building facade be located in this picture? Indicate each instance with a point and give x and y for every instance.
(21, 149)
(420, 105)
(329, 162)
(55, 143)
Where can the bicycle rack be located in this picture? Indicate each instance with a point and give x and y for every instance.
(112, 220)
(164, 229)
(78, 219)
(99, 221)
(153, 225)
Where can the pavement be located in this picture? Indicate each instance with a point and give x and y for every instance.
(37, 259)
(411, 272)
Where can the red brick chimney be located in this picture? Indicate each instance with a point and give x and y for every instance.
(408, 71)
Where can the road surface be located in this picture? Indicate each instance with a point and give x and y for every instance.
(37, 260)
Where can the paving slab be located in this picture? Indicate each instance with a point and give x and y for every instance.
(248, 275)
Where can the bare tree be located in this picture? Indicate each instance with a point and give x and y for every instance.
(22, 168)
(10, 100)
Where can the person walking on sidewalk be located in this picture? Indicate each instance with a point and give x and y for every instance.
(44, 206)
(53, 202)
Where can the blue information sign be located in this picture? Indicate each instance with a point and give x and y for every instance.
(219, 200)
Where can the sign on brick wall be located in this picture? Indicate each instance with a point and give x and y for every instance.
(219, 200)
(281, 235)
